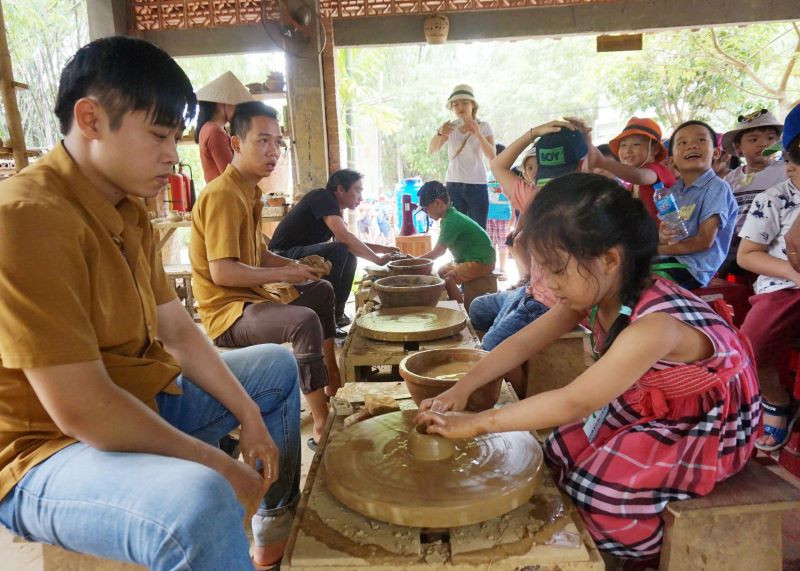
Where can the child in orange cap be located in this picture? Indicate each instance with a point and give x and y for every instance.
(641, 154)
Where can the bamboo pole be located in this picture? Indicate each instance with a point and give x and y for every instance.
(9, 94)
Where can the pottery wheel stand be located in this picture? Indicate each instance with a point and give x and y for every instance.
(364, 359)
(544, 534)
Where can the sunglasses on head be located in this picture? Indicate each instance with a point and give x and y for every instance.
(752, 116)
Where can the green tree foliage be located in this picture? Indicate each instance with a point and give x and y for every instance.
(42, 35)
(712, 75)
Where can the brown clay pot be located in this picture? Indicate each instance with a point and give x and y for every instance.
(411, 267)
(420, 372)
(407, 291)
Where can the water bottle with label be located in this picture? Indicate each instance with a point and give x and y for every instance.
(668, 212)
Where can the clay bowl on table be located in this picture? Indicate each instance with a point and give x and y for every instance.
(429, 373)
(410, 266)
(405, 291)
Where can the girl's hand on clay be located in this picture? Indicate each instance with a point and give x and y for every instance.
(451, 399)
(450, 424)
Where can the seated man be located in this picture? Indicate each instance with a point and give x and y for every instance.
(309, 226)
(111, 395)
(242, 289)
(472, 249)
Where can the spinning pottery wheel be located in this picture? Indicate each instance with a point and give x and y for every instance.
(384, 469)
(415, 323)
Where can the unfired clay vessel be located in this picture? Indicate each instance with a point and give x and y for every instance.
(406, 291)
(429, 373)
(370, 468)
(411, 266)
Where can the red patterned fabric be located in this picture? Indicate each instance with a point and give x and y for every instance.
(673, 435)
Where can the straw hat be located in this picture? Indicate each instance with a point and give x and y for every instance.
(461, 91)
(225, 89)
(761, 118)
(646, 128)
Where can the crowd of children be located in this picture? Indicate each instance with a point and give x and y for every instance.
(673, 403)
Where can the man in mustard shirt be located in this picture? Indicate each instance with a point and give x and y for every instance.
(109, 393)
(247, 295)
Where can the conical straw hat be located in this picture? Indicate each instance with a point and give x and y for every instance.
(225, 89)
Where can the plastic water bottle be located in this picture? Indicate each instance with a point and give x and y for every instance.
(668, 212)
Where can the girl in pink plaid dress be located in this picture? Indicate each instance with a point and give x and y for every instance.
(671, 405)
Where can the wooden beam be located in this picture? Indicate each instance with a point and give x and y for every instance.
(8, 89)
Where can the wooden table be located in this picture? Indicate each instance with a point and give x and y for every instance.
(361, 356)
(168, 228)
(546, 534)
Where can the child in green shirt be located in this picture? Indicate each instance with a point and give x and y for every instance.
(473, 253)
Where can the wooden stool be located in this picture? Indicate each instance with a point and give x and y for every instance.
(478, 286)
(414, 245)
(183, 272)
(559, 364)
(21, 553)
(736, 526)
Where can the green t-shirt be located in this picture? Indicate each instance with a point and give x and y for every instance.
(466, 240)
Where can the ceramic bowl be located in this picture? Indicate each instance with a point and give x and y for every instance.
(407, 291)
(411, 266)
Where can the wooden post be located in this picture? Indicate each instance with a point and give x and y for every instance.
(16, 135)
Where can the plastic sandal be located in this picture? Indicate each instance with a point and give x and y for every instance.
(780, 435)
(312, 444)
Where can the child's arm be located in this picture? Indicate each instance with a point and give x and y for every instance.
(700, 242)
(638, 347)
(501, 165)
(438, 250)
(792, 239)
(633, 175)
(753, 256)
(508, 355)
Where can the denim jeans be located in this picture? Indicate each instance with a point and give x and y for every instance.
(470, 199)
(162, 512)
(343, 267)
(504, 313)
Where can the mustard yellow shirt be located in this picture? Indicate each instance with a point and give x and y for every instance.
(226, 223)
(80, 281)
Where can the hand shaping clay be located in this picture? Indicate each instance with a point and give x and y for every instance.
(372, 470)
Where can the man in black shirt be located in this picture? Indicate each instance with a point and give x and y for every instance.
(309, 226)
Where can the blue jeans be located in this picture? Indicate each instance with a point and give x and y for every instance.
(504, 313)
(162, 512)
(471, 200)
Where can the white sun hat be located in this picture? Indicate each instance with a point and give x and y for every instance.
(225, 89)
(461, 91)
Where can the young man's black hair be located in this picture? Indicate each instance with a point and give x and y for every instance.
(244, 113)
(126, 74)
(345, 177)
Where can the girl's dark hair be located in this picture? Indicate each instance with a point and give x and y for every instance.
(584, 215)
(344, 177)
(126, 74)
(793, 151)
(205, 112)
(710, 129)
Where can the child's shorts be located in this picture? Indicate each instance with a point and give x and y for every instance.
(466, 271)
(772, 322)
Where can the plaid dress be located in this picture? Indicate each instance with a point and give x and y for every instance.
(673, 435)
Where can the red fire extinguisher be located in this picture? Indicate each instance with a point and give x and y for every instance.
(181, 189)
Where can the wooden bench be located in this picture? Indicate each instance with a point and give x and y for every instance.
(183, 273)
(22, 555)
(737, 526)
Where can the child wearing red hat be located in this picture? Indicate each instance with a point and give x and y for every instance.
(641, 154)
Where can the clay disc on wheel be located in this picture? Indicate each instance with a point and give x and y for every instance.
(411, 323)
(370, 470)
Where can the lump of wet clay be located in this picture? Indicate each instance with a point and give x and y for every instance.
(380, 404)
(318, 264)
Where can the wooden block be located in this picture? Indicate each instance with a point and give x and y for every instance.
(559, 364)
(415, 245)
(477, 287)
(734, 527)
